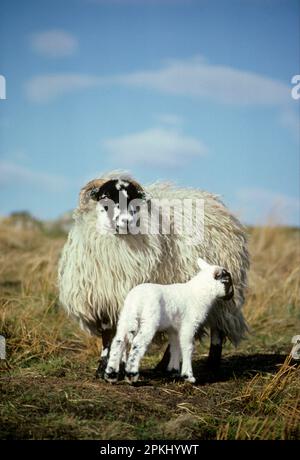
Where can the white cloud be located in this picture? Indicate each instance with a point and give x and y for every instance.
(16, 175)
(261, 206)
(197, 78)
(154, 147)
(54, 43)
(193, 77)
(44, 88)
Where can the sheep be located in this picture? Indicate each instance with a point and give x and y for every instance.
(100, 262)
(178, 309)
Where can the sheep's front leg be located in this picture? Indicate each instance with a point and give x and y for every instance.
(139, 347)
(186, 339)
(174, 363)
(164, 362)
(107, 336)
(215, 351)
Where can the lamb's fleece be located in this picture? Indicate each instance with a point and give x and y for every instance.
(97, 271)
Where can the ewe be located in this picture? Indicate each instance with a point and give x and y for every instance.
(100, 263)
(180, 309)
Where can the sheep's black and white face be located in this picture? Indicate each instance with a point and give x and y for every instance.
(118, 202)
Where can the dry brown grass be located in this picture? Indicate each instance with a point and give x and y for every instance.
(255, 396)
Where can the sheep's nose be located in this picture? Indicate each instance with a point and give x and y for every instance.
(127, 219)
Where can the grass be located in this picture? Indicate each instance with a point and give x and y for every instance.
(47, 385)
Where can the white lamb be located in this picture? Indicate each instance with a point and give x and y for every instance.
(178, 309)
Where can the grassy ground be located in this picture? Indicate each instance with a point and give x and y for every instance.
(48, 390)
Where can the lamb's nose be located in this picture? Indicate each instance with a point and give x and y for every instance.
(223, 275)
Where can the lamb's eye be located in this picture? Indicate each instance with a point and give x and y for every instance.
(218, 275)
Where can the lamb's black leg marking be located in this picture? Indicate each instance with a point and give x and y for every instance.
(107, 337)
(215, 351)
(163, 364)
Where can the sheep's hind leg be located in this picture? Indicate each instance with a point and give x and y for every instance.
(174, 363)
(107, 336)
(215, 351)
(162, 366)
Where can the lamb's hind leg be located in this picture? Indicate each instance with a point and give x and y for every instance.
(186, 339)
(215, 351)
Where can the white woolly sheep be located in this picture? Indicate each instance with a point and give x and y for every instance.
(178, 309)
(98, 266)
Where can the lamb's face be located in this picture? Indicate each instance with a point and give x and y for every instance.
(223, 282)
(118, 202)
(218, 278)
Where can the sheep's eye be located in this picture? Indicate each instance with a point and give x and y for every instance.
(133, 211)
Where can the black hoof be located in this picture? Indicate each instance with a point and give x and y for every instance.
(111, 377)
(131, 377)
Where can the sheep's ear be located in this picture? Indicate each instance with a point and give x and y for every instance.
(144, 196)
(89, 191)
(202, 264)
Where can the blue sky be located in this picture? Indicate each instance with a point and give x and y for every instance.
(196, 92)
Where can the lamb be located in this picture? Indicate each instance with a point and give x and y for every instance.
(178, 309)
(98, 266)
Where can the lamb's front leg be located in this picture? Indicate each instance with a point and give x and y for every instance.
(186, 339)
(115, 356)
(139, 347)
